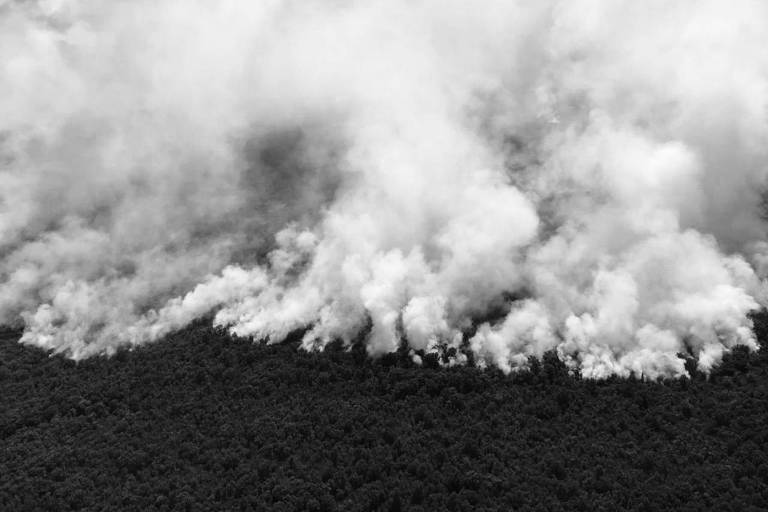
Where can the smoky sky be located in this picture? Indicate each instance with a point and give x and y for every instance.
(510, 177)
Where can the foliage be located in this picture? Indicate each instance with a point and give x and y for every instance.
(202, 421)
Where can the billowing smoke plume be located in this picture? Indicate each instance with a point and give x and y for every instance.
(502, 177)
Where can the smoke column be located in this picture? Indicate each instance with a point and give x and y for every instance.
(503, 177)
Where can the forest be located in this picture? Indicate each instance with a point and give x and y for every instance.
(204, 421)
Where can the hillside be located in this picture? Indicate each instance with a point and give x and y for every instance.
(202, 421)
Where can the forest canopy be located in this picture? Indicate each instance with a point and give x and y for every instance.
(204, 421)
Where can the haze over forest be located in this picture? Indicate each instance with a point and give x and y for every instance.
(501, 179)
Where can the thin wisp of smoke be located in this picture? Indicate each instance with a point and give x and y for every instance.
(504, 179)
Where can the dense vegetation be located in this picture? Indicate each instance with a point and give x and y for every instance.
(202, 421)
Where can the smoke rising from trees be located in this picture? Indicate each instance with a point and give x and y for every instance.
(507, 177)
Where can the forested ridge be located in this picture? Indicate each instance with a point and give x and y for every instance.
(204, 421)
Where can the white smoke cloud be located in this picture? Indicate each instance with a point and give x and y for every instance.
(505, 178)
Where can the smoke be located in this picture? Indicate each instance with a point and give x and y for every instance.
(503, 178)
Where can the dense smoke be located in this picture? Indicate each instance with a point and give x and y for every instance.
(503, 177)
